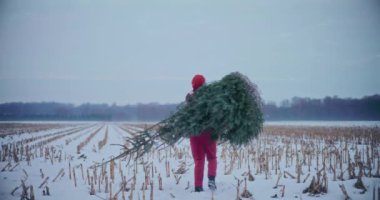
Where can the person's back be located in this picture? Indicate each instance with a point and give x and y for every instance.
(202, 146)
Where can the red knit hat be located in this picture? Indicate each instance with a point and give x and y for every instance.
(198, 81)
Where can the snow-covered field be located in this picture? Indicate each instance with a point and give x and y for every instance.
(49, 159)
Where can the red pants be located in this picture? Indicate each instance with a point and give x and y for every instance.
(203, 146)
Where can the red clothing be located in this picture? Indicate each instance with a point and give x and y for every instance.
(203, 146)
(198, 81)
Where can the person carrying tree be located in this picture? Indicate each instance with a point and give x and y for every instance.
(228, 110)
(202, 146)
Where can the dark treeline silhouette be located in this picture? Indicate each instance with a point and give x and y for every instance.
(329, 108)
(105, 112)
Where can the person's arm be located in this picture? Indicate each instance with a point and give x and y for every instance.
(189, 97)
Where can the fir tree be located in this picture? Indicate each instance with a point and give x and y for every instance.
(231, 107)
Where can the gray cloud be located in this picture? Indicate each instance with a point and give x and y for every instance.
(146, 51)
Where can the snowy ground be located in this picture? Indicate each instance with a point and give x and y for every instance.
(62, 147)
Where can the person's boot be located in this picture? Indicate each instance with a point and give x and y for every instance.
(198, 189)
(211, 183)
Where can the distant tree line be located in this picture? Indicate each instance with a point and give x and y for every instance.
(328, 108)
(87, 111)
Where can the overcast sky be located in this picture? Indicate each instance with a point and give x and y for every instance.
(130, 51)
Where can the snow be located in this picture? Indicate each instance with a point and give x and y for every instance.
(63, 188)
